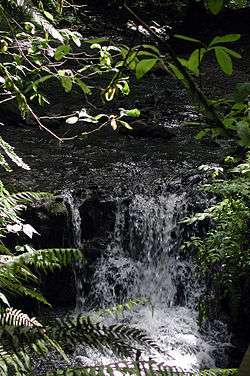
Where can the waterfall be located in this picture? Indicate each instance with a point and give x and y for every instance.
(142, 260)
(79, 268)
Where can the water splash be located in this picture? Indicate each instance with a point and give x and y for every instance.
(143, 260)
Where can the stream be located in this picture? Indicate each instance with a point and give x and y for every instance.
(126, 196)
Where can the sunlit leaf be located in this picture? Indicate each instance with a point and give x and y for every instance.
(225, 39)
(224, 60)
(144, 66)
(61, 51)
(125, 124)
(113, 123)
(83, 86)
(72, 120)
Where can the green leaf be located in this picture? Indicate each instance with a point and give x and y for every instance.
(232, 52)
(125, 124)
(153, 48)
(176, 72)
(61, 51)
(67, 83)
(135, 113)
(201, 134)
(48, 15)
(83, 86)
(126, 89)
(224, 60)
(37, 82)
(215, 6)
(76, 39)
(185, 37)
(195, 59)
(225, 39)
(144, 66)
(243, 130)
(242, 91)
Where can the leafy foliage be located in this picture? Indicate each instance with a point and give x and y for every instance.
(224, 254)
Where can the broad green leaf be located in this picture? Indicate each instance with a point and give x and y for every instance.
(242, 91)
(185, 37)
(195, 59)
(132, 113)
(83, 86)
(215, 6)
(126, 88)
(67, 83)
(144, 66)
(61, 51)
(96, 45)
(224, 60)
(48, 15)
(243, 130)
(229, 123)
(176, 72)
(232, 52)
(225, 39)
(76, 39)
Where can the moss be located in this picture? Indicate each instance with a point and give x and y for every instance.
(57, 208)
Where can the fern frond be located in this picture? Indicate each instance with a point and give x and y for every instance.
(32, 12)
(27, 197)
(123, 368)
(120, 339)
(140, 368)
(15, 317)
(18, 362)
(9, 151)
(44, 259)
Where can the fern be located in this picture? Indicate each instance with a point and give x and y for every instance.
(9, 151)
(122, 340)
(30, 10)
(44, 259)
(138, 368)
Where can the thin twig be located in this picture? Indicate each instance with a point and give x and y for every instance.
(57, 116)
(41, 125)
(8, 99)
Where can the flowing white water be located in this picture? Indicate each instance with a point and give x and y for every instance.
(143, 260)
(79, 269)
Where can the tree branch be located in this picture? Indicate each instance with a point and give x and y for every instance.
(165, 46)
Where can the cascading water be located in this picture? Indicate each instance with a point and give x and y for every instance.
(76, 222)
(143, 261)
